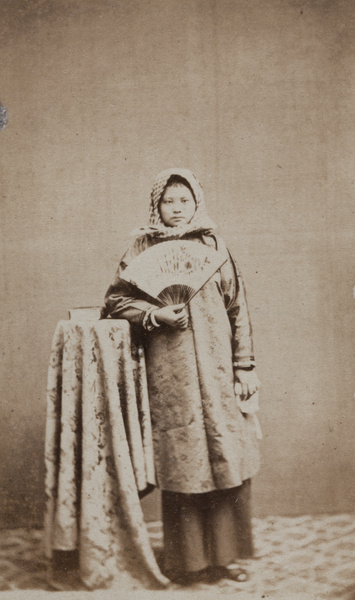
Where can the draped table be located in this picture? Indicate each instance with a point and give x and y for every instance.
(98, 452)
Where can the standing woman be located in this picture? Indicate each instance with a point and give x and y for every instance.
(198, 360)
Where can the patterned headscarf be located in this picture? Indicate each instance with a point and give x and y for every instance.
(200, 222)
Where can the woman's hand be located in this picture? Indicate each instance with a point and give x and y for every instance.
(175, 316)
(247, 383)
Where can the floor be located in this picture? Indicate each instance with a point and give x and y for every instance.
(305, 557)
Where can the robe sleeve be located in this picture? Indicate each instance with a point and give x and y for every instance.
(119, 301)
(235, 301)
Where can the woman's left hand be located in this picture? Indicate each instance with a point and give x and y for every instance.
(247, 383)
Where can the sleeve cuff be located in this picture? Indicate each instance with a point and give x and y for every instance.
(247, 365)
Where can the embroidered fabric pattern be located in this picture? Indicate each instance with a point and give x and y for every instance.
(99, 452)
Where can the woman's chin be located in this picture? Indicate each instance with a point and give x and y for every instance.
(177, 222)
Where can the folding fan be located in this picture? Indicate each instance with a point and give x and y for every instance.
(173, 272)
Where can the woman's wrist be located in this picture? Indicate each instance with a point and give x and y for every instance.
(148, 322)
(154, 319)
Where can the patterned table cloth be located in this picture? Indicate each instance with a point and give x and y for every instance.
(98, 452)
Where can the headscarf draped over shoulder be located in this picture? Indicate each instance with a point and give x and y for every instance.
(200, 222)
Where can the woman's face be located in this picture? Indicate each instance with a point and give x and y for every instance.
(177, 206)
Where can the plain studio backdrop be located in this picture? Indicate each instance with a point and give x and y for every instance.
(256, 98)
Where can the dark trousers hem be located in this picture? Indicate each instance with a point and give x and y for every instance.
(206, 530)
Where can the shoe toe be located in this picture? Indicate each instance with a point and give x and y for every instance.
(236, 574)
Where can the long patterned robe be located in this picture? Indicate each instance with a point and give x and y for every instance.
(202, 441)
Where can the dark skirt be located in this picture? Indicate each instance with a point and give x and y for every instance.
(203, 530)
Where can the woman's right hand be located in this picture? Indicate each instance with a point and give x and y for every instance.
(175, 316)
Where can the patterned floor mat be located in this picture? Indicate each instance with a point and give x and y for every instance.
(304, 557)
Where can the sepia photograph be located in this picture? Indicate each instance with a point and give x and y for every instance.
(177, 299)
